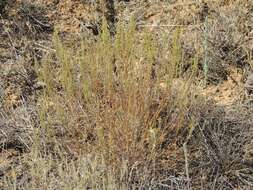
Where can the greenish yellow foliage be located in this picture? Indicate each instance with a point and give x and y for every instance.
(106, 100)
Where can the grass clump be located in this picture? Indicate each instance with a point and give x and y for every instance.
(114, 113)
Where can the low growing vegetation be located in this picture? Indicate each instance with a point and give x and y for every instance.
(122, 103)
(114, 113)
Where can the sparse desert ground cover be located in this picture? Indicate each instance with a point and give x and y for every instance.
(126, 94)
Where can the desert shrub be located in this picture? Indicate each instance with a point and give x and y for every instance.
(221, 159)
(33, 19)
(124, 113)
(113, 101)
